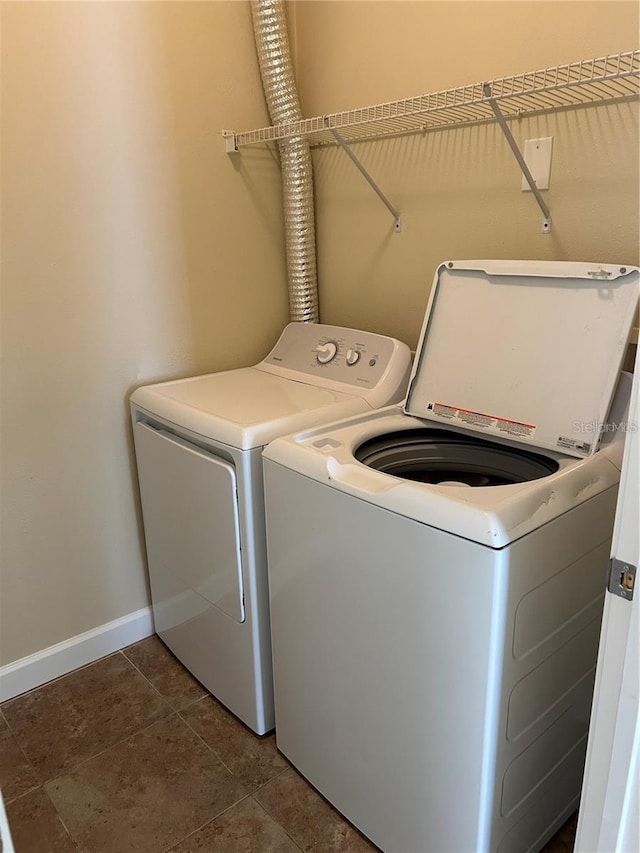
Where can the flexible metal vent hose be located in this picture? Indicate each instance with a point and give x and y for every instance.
(276, 70)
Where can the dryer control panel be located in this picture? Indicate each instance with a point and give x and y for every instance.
(337, 356)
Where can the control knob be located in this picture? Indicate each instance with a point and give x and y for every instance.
(352, 357)
(326, 352)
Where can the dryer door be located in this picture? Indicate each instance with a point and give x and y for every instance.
(190, 511)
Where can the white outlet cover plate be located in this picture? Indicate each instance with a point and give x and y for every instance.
(537, 155)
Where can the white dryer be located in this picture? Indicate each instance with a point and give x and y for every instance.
(437, 570)
(198, 444)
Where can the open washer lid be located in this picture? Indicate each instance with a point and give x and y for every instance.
(529, 351)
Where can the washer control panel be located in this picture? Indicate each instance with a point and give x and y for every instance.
(340, 355)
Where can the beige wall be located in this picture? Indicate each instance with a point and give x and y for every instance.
(459, 190)
(134, 249)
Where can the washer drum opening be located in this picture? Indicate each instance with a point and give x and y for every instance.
(439, 457)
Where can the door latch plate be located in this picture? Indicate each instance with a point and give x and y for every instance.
(622, 578)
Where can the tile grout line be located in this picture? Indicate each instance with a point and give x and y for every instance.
(286, 832)
(207, 822)
(45, 793)
(134, 734)
(342, 817)
(175, 707)
(202, 740)
(173, 711)
(71, 768)
(273, 778)
(58, 677)
(249, 794)
(75, 843)
(107, 748)
(187, 723)
(20, 796)
(178, 713)
(148, 680)
(26, 758)
(91, 758)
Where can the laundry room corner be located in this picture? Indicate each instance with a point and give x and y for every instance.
(133, 251)
(318, 426)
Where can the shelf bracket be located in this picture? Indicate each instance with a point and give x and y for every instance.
(397, 226)
(230, 142)
(504, 127)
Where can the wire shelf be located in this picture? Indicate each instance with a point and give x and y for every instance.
(589, 81)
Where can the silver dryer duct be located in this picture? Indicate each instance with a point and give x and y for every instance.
(276, 70)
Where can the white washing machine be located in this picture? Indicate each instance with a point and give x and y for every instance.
(437, 569)
(198, 445)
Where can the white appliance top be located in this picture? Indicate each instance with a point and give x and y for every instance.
(315, 373)
(528, 351)
(493, 516)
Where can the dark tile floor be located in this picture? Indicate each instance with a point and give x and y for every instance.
(131, 755)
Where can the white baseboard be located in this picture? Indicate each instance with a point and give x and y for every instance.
(54, 661)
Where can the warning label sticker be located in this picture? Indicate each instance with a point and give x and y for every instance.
(467, 418)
